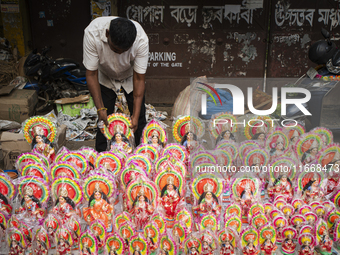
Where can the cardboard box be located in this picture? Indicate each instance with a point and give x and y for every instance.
(74, 108)
(19, 105)
(14, 144)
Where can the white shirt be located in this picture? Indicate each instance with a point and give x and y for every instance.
(114, 70)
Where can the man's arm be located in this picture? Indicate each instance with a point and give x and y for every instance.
(138, 94)
(94, 88)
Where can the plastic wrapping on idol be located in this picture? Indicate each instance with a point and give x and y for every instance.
(230, 147)
(126, 231)
(171, 184)
(98, 189)
(227, 168)
(209, 242)
(65, 169)
(185, 218)
(138, 245)
(245, 191)
(307, 147)
(228, 240)
(27, 229)
(223, 127)
(31, 158)
(288, 245)
(309, 185)
(193, 244)
(255, 163)
(34, 193)
(282, 177)
(170, 160)
(148, 150)
(118, 133)
(142, 161)
(329, 159)
(154, 134)
(129, 174)
(258, 220)
(67, 196)
(41, 241)
(98, 229)
(64, 240)
(207, 189)
(78, 159)
(325, 134)
(91, 156)
(143, 199)
(277, 143)
(109, 161)
(37, 170)
(41, 133)
(267, 239)
(307, 244)
(152, 235)
(7, 193)
(258, 127)
(62, 151)
(114, 244)
(16, 241)
(159, 220)
(188, 130)
(336, 233)
(293, 131)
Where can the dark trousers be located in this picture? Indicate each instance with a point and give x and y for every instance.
(109, 100)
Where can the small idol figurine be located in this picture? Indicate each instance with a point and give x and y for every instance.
(277, 149)
(189, 140)
(141, 210)
(288, 246)
(119, 140)
(268, 248)
(64, 206)
(170, 197)
(151, 244)
(41, 144)
(306, 249)
(326, 245)
(99, 207)
(207, 203)
(246, 199)
(5, 207)
(155, 141)
(260, 136)
(312, 191)
(227, 248)
(250, 249)
(30, 204)
(15, 247)
(206, 246)
(282, 186)
(226, 134)
(310, 154)
(63, 247)
(41, 248)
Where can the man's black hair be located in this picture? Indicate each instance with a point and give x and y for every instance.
(122, 33)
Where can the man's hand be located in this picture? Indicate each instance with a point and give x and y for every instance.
(134, 124)
(102, 115)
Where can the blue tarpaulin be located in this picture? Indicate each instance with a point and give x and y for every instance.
(227, 104)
